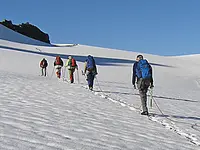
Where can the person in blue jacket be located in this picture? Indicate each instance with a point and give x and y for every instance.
(142, 75)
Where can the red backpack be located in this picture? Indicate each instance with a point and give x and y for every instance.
(58, 61)
(41, 64)
(73, 62)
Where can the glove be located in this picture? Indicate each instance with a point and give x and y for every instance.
(134, 86)
(83, 73)
(151, 86)
(95, 73)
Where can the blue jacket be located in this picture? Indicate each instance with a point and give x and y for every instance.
(136, 74)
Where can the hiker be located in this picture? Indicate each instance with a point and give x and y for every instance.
(58, 64)
(71, 66)
(142, 72)
(90, 70)
(43, 66)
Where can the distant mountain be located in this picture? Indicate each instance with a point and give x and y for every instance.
(27, 29)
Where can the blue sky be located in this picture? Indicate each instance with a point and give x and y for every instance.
(162, 27)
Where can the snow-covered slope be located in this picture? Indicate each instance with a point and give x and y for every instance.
(10, 35)
(47, 113)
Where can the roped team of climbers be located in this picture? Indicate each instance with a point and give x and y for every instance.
(142, 74)
(90, 69)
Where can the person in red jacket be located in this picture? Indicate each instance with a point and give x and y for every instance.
(58, 64)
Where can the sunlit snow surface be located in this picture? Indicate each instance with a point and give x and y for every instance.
(48, 113)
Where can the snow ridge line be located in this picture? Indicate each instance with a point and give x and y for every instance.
(171, 126)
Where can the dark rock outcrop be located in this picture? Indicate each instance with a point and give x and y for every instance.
(28, 30)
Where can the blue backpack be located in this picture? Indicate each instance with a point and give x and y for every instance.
(90, 63)
(143, 69)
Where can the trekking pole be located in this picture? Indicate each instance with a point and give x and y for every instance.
(47, 74)
(62, 71)
(52, 72)
(83, 74)
(98, 84)
(77, 72)
(151, 97)
(64, 74)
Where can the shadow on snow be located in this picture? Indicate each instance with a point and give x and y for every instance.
(159, 97)
(179, 117)
(99, 60)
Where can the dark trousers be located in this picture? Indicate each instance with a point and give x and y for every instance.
(71, 75)
(90, 79)
(44, 71)
(143, 85)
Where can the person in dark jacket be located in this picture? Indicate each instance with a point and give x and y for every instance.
(90, 70)
(142, 84)
(43, 66)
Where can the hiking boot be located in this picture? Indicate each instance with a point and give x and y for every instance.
(145, 113)
(91, 88)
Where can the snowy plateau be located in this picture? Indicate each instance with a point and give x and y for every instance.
(46, 113)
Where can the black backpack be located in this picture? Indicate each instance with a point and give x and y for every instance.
(45, 64)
